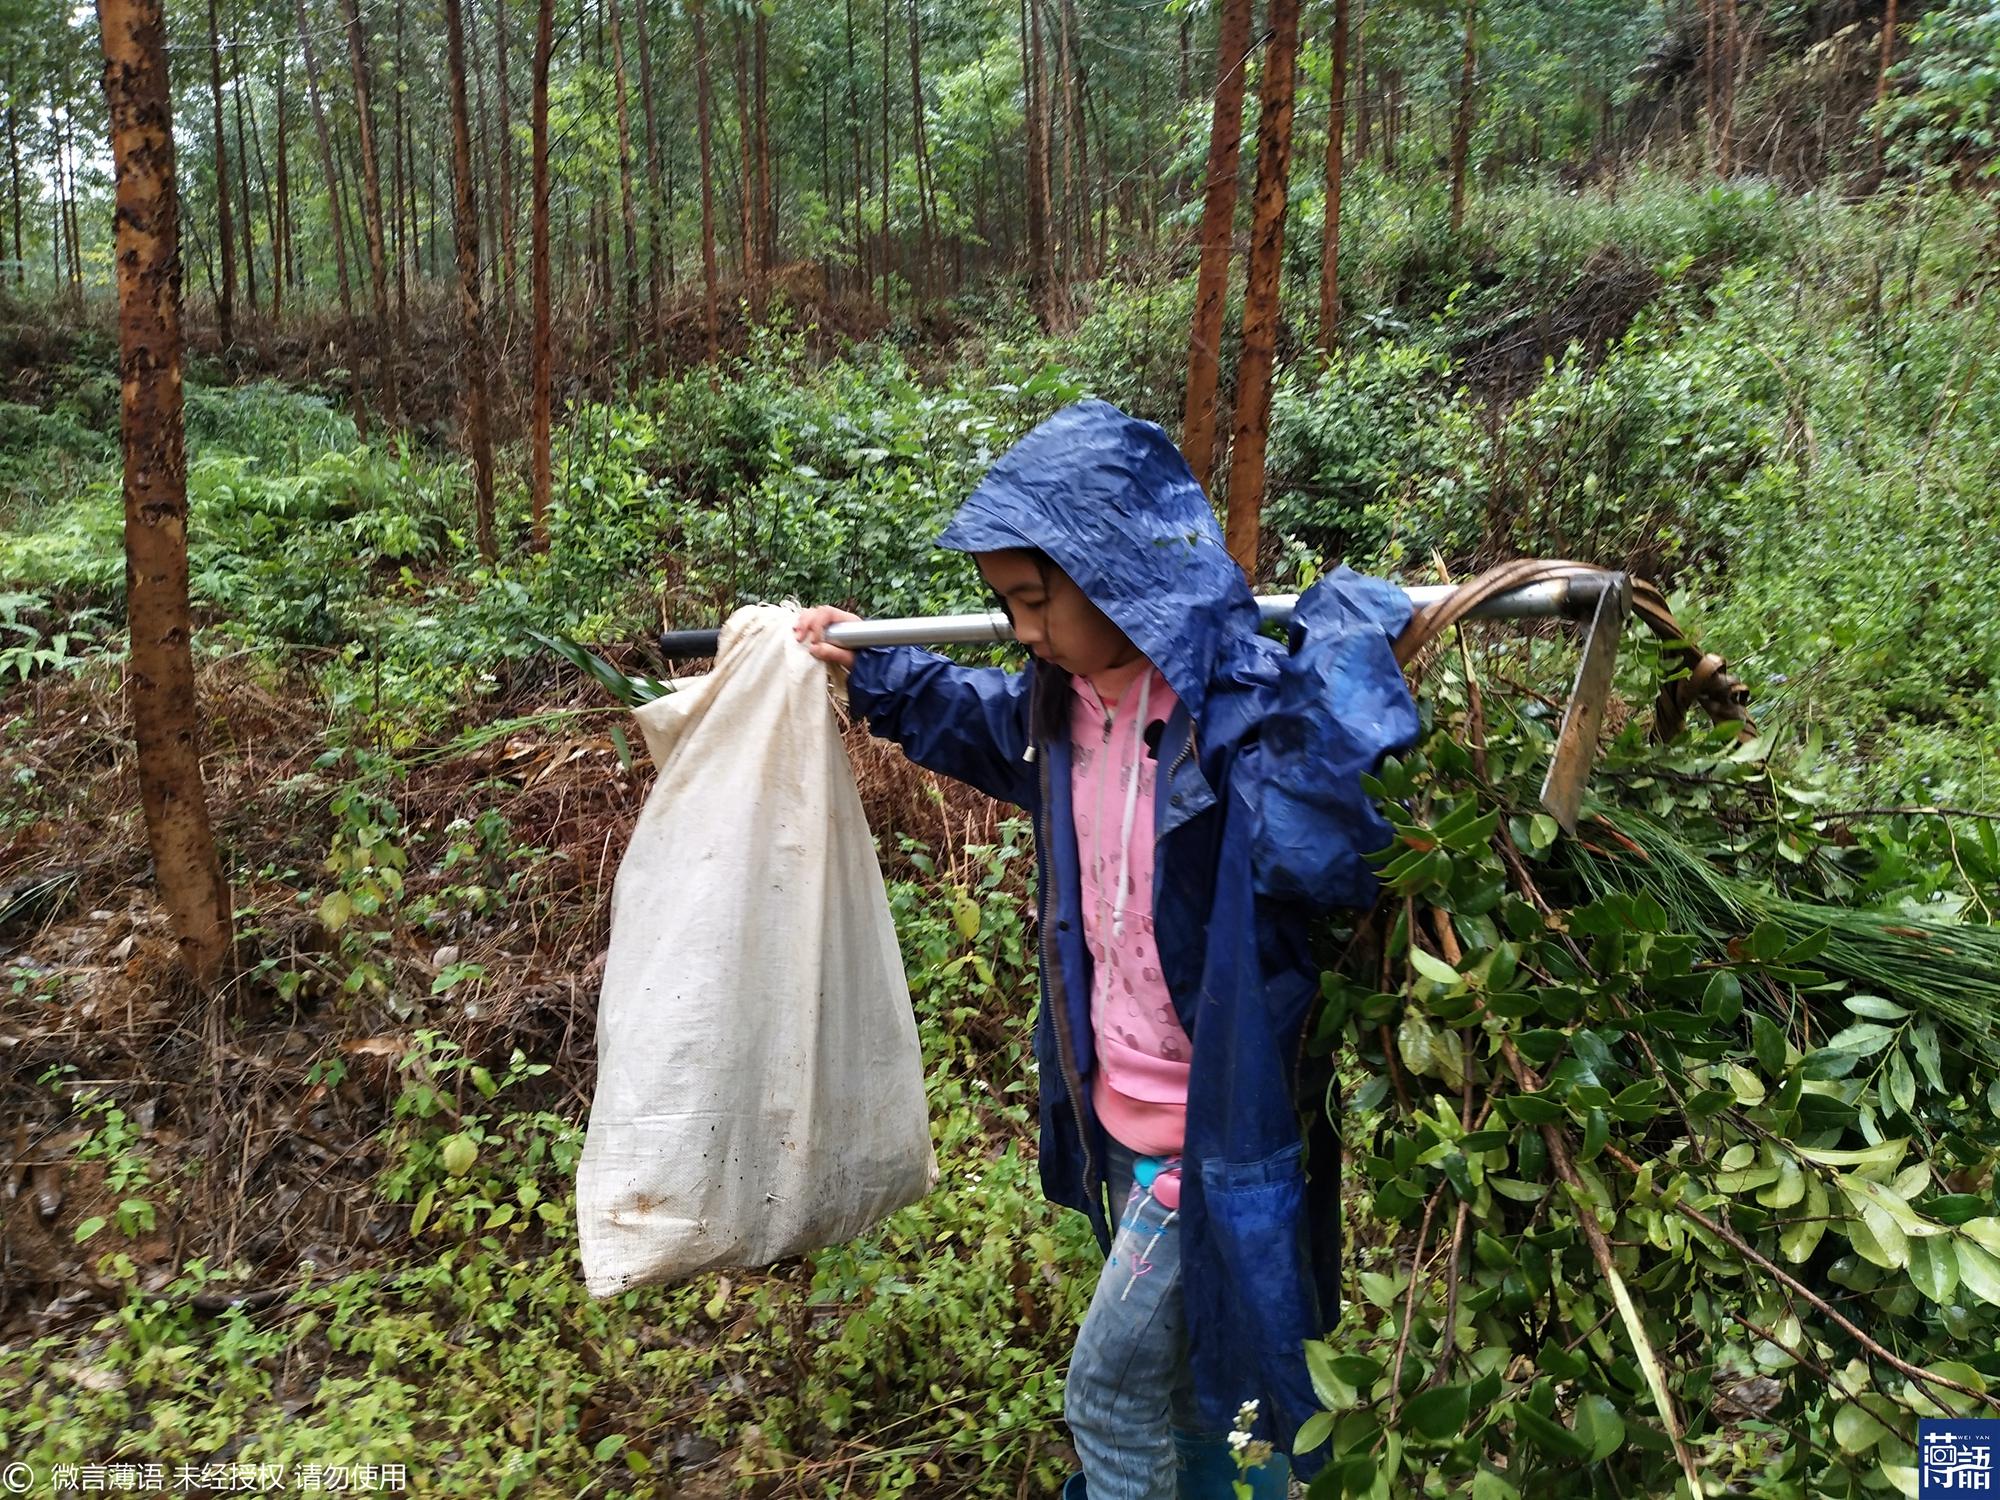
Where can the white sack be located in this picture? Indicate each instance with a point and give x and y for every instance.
(760, 1090)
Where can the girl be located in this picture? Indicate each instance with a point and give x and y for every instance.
(1196, 799)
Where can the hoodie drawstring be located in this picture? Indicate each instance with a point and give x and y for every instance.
(1131, 805)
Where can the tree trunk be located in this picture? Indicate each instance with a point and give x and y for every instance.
(654, 195)
(476, 431)
(1389, 80)
(1336, 133)
(1461, 130)
(1260, 288)
(1361, 95)
(1711, 124)
(274, 239)
(1184, 85)
(402, 185)
(507, 262)
(225, 310)
(430, 177)
(14, 162)
(1079, 124)
(482, 149)
(1218, 222)
(1882, 79)
(853, 129)
(247, 215)
(58, 223)
(75, 228)
(766, 235)
(1044, 290)
(1732, 39)
(627, 210)
(746, 195)
(335, 215)
(159, 676)
(414, 238)
(290, 260)
(829, 173)
(1065, 216)
(926, 272)
(371, 213)
(883, 248)
(1078, 131)
(70, 236)
(538, 257)
(710, 312)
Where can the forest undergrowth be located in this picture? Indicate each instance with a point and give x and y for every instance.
(339, 1230)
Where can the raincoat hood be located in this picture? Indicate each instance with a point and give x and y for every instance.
(1111, 501)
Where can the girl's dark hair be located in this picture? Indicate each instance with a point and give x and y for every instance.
(1043, 564)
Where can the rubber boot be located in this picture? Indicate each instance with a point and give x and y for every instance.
(1208, 1472)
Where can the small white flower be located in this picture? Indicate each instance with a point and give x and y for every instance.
(1239, 1440)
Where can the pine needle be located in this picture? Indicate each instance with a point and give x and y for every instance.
(1944, 970)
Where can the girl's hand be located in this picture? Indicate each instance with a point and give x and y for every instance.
(811, 628)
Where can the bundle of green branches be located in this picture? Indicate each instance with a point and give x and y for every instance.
(1677, 1138)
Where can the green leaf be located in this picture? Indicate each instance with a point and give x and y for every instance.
(1875, 1008)
(1599, 1424)
(1532, 1109)
(1313, 1431)
(1934, 1268)
(89, 1227)
(459, 1154)
(1596, 1133)
(1801, 1237)
(1924, 1042)
(1878, 1240)
(1902, 1083)
(1550, 1435)
(1885, 1154)
(1433, 968)
(1766, 941)
(1856, 1429)
(1723, 999)
(965, 916)
(1328, 1386)
(608, 1446)
(1414, 1043)
(1768, 1040)
(1863, 1039)
(1954, 1208)
(1542, 831)
(1978, 1270)
(1439, 1414)
(1382, 1289)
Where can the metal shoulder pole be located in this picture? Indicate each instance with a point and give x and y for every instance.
(1564, 598)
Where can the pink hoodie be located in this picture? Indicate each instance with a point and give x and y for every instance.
(1140, 1091)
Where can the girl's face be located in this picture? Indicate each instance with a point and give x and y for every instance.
(1051, 616)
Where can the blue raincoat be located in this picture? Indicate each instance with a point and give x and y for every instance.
(1260, 823)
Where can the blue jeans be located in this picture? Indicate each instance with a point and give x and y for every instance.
(1130, 1397)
